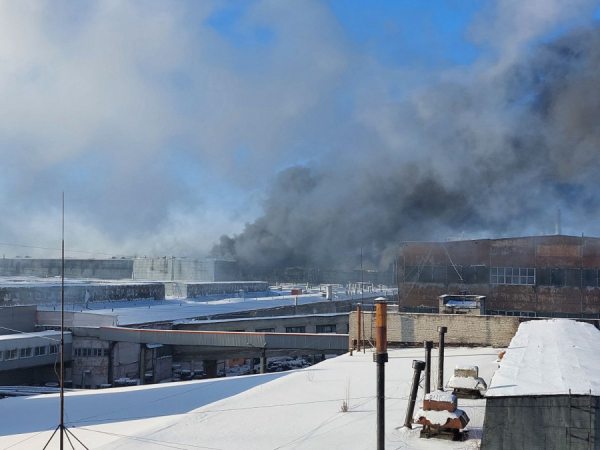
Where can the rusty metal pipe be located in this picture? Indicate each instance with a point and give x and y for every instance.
(381, 357)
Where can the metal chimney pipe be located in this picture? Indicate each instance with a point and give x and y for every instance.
(418, 367)
(381, 357)
(359, 326)
(557, 224)
(428, 346)
(442, 331)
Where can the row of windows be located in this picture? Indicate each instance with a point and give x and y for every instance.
(512, 275)
(90, 352)
(330, 328)
(527, 276)
(29, 352)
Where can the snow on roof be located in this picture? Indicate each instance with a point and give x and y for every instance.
(298, 409)
(246, 319)
(441, 396)
(549, 357)
(466, 367)
(42, 334)
(180, 309)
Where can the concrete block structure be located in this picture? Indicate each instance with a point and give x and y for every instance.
(195, 289)
(29, 291)
(108, 269)
(529, 276)
(97, 362)
(17, 319)
(151, 269)
(185, 269)
(413, 329)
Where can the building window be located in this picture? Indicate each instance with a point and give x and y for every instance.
(265, 330)
(295, 329)
(106, 352)
(512, 275)
(25, 353)
(1, 355)
(10, 354)
(40, 351)
(326, 328)
(53, 349)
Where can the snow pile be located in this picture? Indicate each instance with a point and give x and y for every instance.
(467, 383)
(466, 368)
(549, 357)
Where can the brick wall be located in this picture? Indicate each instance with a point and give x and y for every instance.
(403, 328)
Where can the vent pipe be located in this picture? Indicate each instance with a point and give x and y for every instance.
(442, 331)
(557, 224)
(418, 366)
(428, 346)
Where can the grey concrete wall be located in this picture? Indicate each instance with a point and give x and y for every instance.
(278, 324)
(34, 294)
(184, 269)
(404, 328)
(202, 289)
(75, 319)
(97, 365)
(21, 318)
(108, 269)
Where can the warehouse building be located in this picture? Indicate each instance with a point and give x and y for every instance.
(530, 276)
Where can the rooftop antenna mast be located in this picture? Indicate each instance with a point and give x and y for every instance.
(62, 330)
(61, 426)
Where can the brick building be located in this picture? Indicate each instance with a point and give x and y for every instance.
(540, 275)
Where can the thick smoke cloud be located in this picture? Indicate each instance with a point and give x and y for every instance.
(494, 154)
(168, 127)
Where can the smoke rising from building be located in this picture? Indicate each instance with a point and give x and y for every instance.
(169, 124)
(493, 151)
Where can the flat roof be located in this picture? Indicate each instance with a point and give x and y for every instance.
(549, 357)
(42, 334)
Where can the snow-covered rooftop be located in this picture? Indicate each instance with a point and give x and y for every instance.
(170, 310)
(285, 410)
(42, 334)
(550, 357)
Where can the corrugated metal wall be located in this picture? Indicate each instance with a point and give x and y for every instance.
(541, 423)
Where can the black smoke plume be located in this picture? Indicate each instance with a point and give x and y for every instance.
(487, 152)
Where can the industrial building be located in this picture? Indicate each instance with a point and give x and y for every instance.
(529, 276)
(29, 358)
(152, 269)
